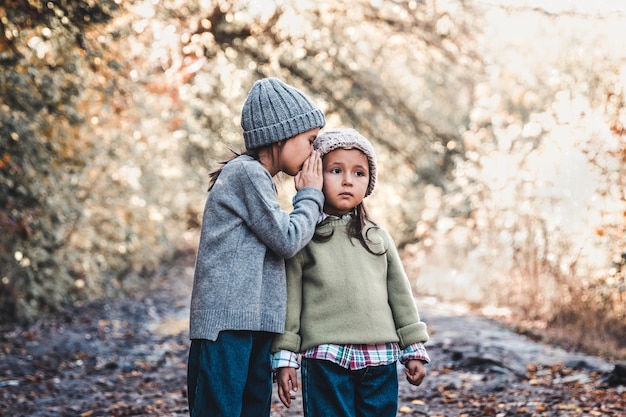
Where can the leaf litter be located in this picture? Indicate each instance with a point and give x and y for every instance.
(128, 357)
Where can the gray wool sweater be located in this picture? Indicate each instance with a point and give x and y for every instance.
(239, 279)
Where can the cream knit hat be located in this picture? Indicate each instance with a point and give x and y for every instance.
(348, 139)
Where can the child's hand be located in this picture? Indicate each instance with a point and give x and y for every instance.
(415, 371)
(311, 173)
(287, 380)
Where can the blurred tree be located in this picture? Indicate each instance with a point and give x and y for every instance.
(402, 72)
(112, 116)
(42, 154)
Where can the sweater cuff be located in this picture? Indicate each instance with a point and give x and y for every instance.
(412, 333)
(286, 341)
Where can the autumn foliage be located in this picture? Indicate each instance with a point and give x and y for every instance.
(502, 160)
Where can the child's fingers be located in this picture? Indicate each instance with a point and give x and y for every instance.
(311, 173)
(305, 165)
(287, 381)
(317, 163)
(414, 376)
(283, 389)
(284, 396)
(313, 163)
(293, 379)
(309, 163)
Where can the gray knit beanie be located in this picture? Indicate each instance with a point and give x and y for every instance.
(348, 139)
(275, 111)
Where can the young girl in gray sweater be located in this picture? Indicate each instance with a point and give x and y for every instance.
(351, 314)
(238, 299)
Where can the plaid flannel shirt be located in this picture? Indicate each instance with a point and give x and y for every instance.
(354, 356)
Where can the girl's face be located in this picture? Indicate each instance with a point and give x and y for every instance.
(346, 177)
(294, 151)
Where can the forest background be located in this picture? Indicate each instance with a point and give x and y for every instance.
(499, 127)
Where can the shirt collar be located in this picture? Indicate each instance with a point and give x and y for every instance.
(324, 216)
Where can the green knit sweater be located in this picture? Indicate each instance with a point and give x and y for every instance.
(339, 293)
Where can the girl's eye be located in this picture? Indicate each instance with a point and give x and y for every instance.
(335, 171)
(360, 174)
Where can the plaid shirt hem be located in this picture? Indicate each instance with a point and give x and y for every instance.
(354, 356)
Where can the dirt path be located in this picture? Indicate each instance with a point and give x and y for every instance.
(128, 358)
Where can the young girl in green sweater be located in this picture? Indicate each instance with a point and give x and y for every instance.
(351, 314)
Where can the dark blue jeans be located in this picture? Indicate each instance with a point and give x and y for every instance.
(329, 390)
(230, 377)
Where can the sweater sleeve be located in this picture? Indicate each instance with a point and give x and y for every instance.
(290, 339)
(284, 233)
(409, 327)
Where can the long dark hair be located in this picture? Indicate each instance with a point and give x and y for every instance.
(254, 153)
(357, 223)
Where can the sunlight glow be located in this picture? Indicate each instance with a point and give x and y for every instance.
(560, 6)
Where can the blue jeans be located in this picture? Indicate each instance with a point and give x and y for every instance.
(329, 390)
(231, 376)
